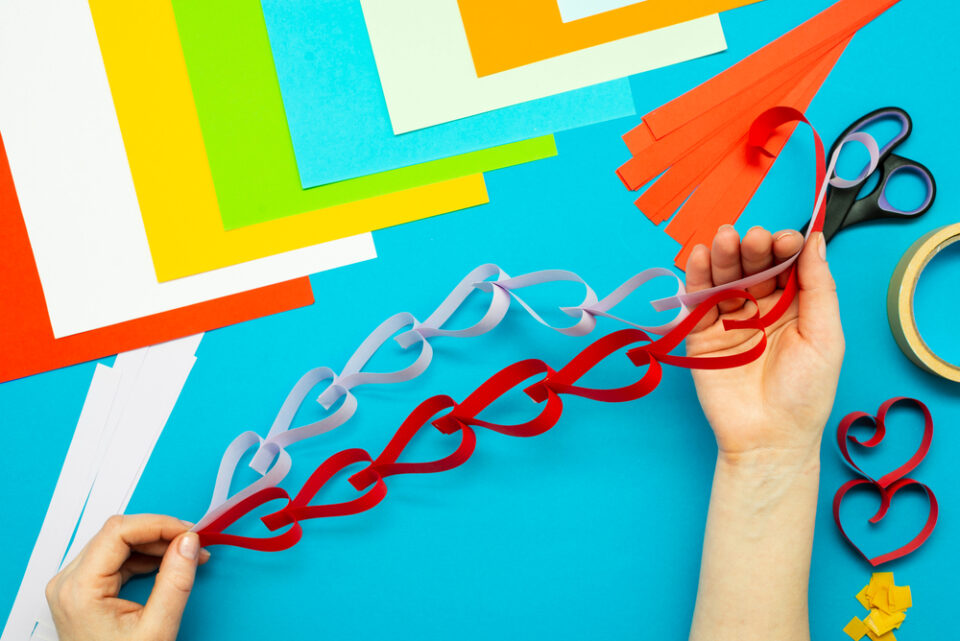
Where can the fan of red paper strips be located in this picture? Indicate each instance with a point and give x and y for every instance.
(462, 417)
(700, 139)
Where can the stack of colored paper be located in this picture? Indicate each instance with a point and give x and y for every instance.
(170, 169)
(888, 604)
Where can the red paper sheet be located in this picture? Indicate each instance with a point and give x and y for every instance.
(27, 345)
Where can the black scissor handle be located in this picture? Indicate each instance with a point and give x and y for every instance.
(876, 206)
(906, 128)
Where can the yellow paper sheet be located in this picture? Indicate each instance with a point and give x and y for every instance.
(154, 102)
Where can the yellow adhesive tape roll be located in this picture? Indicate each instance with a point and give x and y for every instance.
(900, 311)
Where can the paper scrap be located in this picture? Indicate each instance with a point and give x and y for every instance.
(126, 408)
(504, 35)
(571, 10)
(59, 127)
(354, 137)
(855, 629)
(27, 342)
(428, 79)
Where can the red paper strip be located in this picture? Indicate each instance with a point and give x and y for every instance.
(27, 344)
(891, 483)
(461, 417)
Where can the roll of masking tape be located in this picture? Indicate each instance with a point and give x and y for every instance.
(900, 311)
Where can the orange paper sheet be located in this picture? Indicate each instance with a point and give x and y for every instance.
(835, 24)
(653, 154)
(27, 345)
(505, 34)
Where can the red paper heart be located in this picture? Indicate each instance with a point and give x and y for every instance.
(497, 386)
(563, 381)
(213, 533)
(300, 509)
(880, 431)
(386, 464)
(886, 495)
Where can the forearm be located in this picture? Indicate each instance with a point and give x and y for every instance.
(756, 552)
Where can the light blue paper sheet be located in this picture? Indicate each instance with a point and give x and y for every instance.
(338, 116)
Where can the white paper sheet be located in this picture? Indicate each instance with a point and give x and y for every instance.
(65, 506)
(123, 415)
(428, 76)
(571, 10)
(76, 191)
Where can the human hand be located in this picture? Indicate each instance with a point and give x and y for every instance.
(776, 407)
(83, 596)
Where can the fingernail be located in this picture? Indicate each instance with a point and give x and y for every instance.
(782, 234)
(727, 226)
(204, 555)
(822, 246)
(188, 524)
(189, 546)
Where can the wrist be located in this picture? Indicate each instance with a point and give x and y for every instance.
(766, 464)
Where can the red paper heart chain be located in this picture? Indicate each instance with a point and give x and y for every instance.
(888, 485)
(463, 417)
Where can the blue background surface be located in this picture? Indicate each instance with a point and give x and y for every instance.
(338, 115)
(594, 529)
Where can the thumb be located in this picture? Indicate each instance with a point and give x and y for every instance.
(164, 608)
(819, 309)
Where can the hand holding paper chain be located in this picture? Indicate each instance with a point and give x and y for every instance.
(501, 290)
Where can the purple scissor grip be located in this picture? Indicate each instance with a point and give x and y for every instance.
(927, 182)
(895, 114)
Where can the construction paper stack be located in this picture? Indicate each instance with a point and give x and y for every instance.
(168, 167)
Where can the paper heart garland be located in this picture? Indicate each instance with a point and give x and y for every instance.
(891, 483)
(555, 383)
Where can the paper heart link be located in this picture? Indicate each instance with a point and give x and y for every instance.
(879, 433)
(886, 495)
(462, 416)
(889, 484)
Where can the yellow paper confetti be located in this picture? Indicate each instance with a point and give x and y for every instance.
(887, 603)
(881, 622)
(855, 629)
(900, 598)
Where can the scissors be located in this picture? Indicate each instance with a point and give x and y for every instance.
(845, 209)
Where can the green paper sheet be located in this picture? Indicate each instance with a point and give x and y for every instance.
(245, 129)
